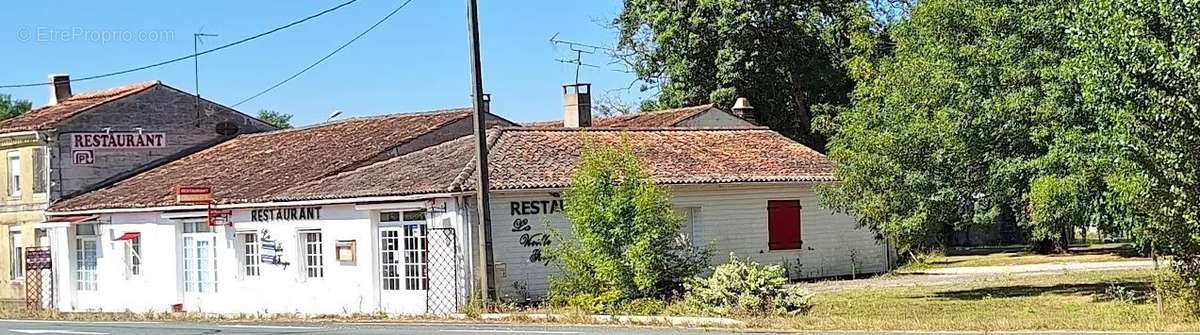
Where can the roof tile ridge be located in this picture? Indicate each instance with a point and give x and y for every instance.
(361, 118)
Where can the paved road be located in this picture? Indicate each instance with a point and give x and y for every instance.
(967, 274)
(24, 327)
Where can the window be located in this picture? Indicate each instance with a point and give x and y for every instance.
(133, 256)
(415, 257)
(314, 260)
(17, 258)
(250, 254)
(389, 217)
(14, 173)
(389, 255)
(196, 227)
(783, 217)
(689, 233)
(39, 171)
(199, 265)
(85, 257)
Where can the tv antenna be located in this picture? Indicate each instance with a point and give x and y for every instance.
(579, 49)
(197, 39)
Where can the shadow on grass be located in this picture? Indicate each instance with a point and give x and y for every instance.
(1137, 292)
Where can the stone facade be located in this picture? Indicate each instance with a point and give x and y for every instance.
(161, 109)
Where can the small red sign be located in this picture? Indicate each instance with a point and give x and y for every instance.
(193, 194)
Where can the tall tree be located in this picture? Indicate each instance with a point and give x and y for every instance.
(787, 56)
(1138, 65)
(277, 119)
(10, 108)
(970, 119)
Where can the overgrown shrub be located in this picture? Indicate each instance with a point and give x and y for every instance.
(624, 240)
(1180, 286)
(743, 287)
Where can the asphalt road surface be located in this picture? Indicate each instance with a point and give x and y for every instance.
(25, 327)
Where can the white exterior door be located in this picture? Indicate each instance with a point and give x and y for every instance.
(402, 279)
(199, 265)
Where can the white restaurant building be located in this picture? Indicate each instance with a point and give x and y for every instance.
(376, 215)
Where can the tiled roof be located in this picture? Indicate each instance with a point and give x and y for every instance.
(260, 167)
(436, 169)
(655, 119)
(317, 163)
(47, 117)
(546, 158)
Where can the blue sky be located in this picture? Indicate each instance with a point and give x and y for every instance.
(416, 61)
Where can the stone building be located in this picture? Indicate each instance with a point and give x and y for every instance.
(78, 142)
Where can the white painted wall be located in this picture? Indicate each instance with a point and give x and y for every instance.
(732, 218)
(345, 288)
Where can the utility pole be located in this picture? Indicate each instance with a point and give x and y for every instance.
(486, 278)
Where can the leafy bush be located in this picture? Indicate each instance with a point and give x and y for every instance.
(743, 287)
(623, 244)
(1180, 290)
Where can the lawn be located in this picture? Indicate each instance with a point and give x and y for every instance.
(1105, 301)
(986, 257)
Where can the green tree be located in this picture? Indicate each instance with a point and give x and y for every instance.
(966, 116)
(624, 242)
(277, 119)
(787, 56)
(10, 108)
(1138, 65)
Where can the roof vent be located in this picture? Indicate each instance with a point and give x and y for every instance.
(742, 109)
(60, 88)
(577, 105)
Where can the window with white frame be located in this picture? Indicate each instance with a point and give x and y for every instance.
(313, 254)
(689, 231)
(415, 257)
(17, 258)
(199, 265)
(251, 261)
(14, 173)
(85, 257)
(133, 256)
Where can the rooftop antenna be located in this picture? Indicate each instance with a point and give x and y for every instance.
(196, 40)
(579, 49)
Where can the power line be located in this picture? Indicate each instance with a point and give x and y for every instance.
(173, 60)
(319, 61)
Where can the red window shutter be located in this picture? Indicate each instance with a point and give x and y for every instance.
(783, 218)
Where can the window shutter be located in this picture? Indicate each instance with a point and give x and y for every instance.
(783, 227)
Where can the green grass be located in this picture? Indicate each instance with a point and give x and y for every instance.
(985, 257)
(1105, 301)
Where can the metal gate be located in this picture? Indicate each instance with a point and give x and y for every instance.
(39, 278)
(442, 297)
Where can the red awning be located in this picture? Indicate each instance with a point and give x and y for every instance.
(128, 236)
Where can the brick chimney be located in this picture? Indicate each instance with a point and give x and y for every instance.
(577, 105)
(742, 109)
(60, 88)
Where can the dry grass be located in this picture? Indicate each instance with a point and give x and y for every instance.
(980, 257)
(1080, 301)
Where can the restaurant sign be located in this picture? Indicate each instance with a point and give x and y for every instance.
(285, 214)
(118, 140)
